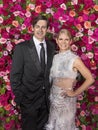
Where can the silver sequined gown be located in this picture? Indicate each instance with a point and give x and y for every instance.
(62, 109)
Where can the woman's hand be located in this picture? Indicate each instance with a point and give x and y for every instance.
(70, 93)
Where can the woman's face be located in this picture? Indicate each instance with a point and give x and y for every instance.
(63, 42)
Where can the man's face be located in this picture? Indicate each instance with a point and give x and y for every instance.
(40, 29)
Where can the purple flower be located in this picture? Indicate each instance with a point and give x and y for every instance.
(92, 17)
(84, 106)
(89, 128)
(85, 17)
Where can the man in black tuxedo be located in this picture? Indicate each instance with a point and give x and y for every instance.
(29, 81)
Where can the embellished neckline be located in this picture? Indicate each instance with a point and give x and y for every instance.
(65, 52)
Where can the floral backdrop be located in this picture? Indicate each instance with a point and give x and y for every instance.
(81, 18)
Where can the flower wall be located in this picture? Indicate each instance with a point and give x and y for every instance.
(81, 18)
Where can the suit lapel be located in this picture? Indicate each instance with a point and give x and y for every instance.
(34, 55)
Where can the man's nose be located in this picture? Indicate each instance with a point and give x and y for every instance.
(40, 28)
(64, 42)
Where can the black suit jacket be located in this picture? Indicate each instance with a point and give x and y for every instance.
(26, 77)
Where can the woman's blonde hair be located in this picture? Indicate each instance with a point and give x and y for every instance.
(65, 31)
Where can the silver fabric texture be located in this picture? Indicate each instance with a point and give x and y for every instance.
(62, 108)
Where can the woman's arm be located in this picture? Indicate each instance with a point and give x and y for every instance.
(79, 65)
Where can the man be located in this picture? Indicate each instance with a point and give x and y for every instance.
(29, 79)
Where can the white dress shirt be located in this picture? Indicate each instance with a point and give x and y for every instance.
(38, 47)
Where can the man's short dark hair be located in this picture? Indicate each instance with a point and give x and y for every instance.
(40, 17)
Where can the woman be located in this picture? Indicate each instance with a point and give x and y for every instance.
(64, 70)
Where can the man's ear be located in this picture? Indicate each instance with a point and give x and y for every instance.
(32, 28)
(48, 30)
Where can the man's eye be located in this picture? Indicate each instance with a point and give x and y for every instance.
(44, 27)
(37, 26)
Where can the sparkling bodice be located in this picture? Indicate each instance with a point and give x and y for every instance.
(62, 66)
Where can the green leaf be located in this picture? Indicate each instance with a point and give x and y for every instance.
(81, 6)
(8, 119)
(95, 118)
(96, 43)
(20, 20)
(1, 128)
(2, 111)
(1, 2)
(3, 90)
(1, 54)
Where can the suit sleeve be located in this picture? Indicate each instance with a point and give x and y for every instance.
(16, 73)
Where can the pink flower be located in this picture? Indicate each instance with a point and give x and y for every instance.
(80, 97)
(74, 2)
(9, 125)
(63, 6)
(79, 34)
(13, 103)
(83, 49)
(84, 57)
(1, 105)
(1, 20)
(49, 11)
(90, 55)
(31, 6)
(88, 3)
(85, 39)
(82, 113)
(83, 127)
(9, 47)
(96, 99)
(96, 21)
(27, 21)
(15, 23)
(87, 24)
(85, 17)
(90, 32)
(3, 40)
(91, 40)
(59, 13)
(78, 105)
(96, 53)
(89, 128)
(38, 9)
(92, 17)
(72, 13)
(95, 35)
(16, 13)
(23, 26)
(5, 34)
(49, 3)
(74, 47)
(28, 14)
(7, 107)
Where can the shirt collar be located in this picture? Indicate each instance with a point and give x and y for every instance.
(37, 42)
